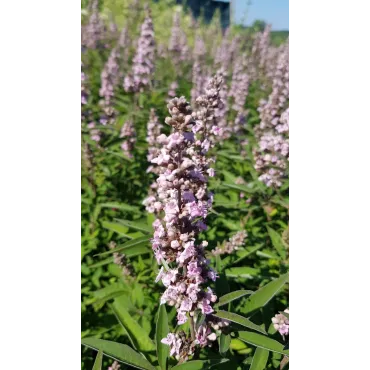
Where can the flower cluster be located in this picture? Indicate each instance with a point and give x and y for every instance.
(109, 81)
(122, 261)
(93, 33)
(260, 49)
(172, 91)
(84, 93)
(124, 44)
(129, 135)
(154, 128)
(115, 366)
(183, 197)
(178, 44)
(198, 79)
(232, 245)
(94, 132)
(281, 323)
(239, 92)
(272, 154)
(143, 62)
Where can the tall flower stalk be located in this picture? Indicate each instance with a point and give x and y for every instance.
(143, 63)
(182, 205)
(272, 153)
(109, 81)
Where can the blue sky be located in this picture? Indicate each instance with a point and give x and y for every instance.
(275, 12)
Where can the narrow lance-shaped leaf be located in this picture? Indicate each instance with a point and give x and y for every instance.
(225, 340)
(239, 320)
(161, 332)
(137, 334)
(121, 206)
(116, 227)
(277, 242)
(199, 365)
(98, 361)
(143, 240)
(259, 359)
(232, 296)
(262, 341)
(119, 352)
(265, 294)
(136, 225)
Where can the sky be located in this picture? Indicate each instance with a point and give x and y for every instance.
(275, 12)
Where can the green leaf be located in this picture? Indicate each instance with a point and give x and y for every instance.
(262, 341)
(121, 206)
(143, 240)
(245, 253)
(110, 292)
(199, 364)
(116, 227)
(136, 225)
(277, 242)
(238, 320)
(242, 188)
(119, 352)
(263, 295)
(161, 332)
(259, 359)
(232, 296)
(137, 334)
(98, 361)
(242, 272)
(225, 341)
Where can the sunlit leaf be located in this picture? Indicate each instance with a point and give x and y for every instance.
(119, 352)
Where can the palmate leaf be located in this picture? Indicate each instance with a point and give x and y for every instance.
(199, 364)
(262, 341)
(138, 336)
(119, 352)
(238, 320)
(259, 359)
(98, 361)
(161, 332)
(232, 296)
(263, 295)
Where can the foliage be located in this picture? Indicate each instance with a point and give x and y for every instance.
(121, 315)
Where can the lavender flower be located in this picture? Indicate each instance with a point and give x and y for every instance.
(281, 323)
(154, 128)
(93, 33)
(109, 81)
(272, 154)
(115, 366)
(200, 50)
(178, 45)
(232, 245)
(129, 135)
(84, 90)
(143, 63)
(184, 199)
(122, 261)
(94, 132)
(260, 51)
(123, 45)
(172, 90)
